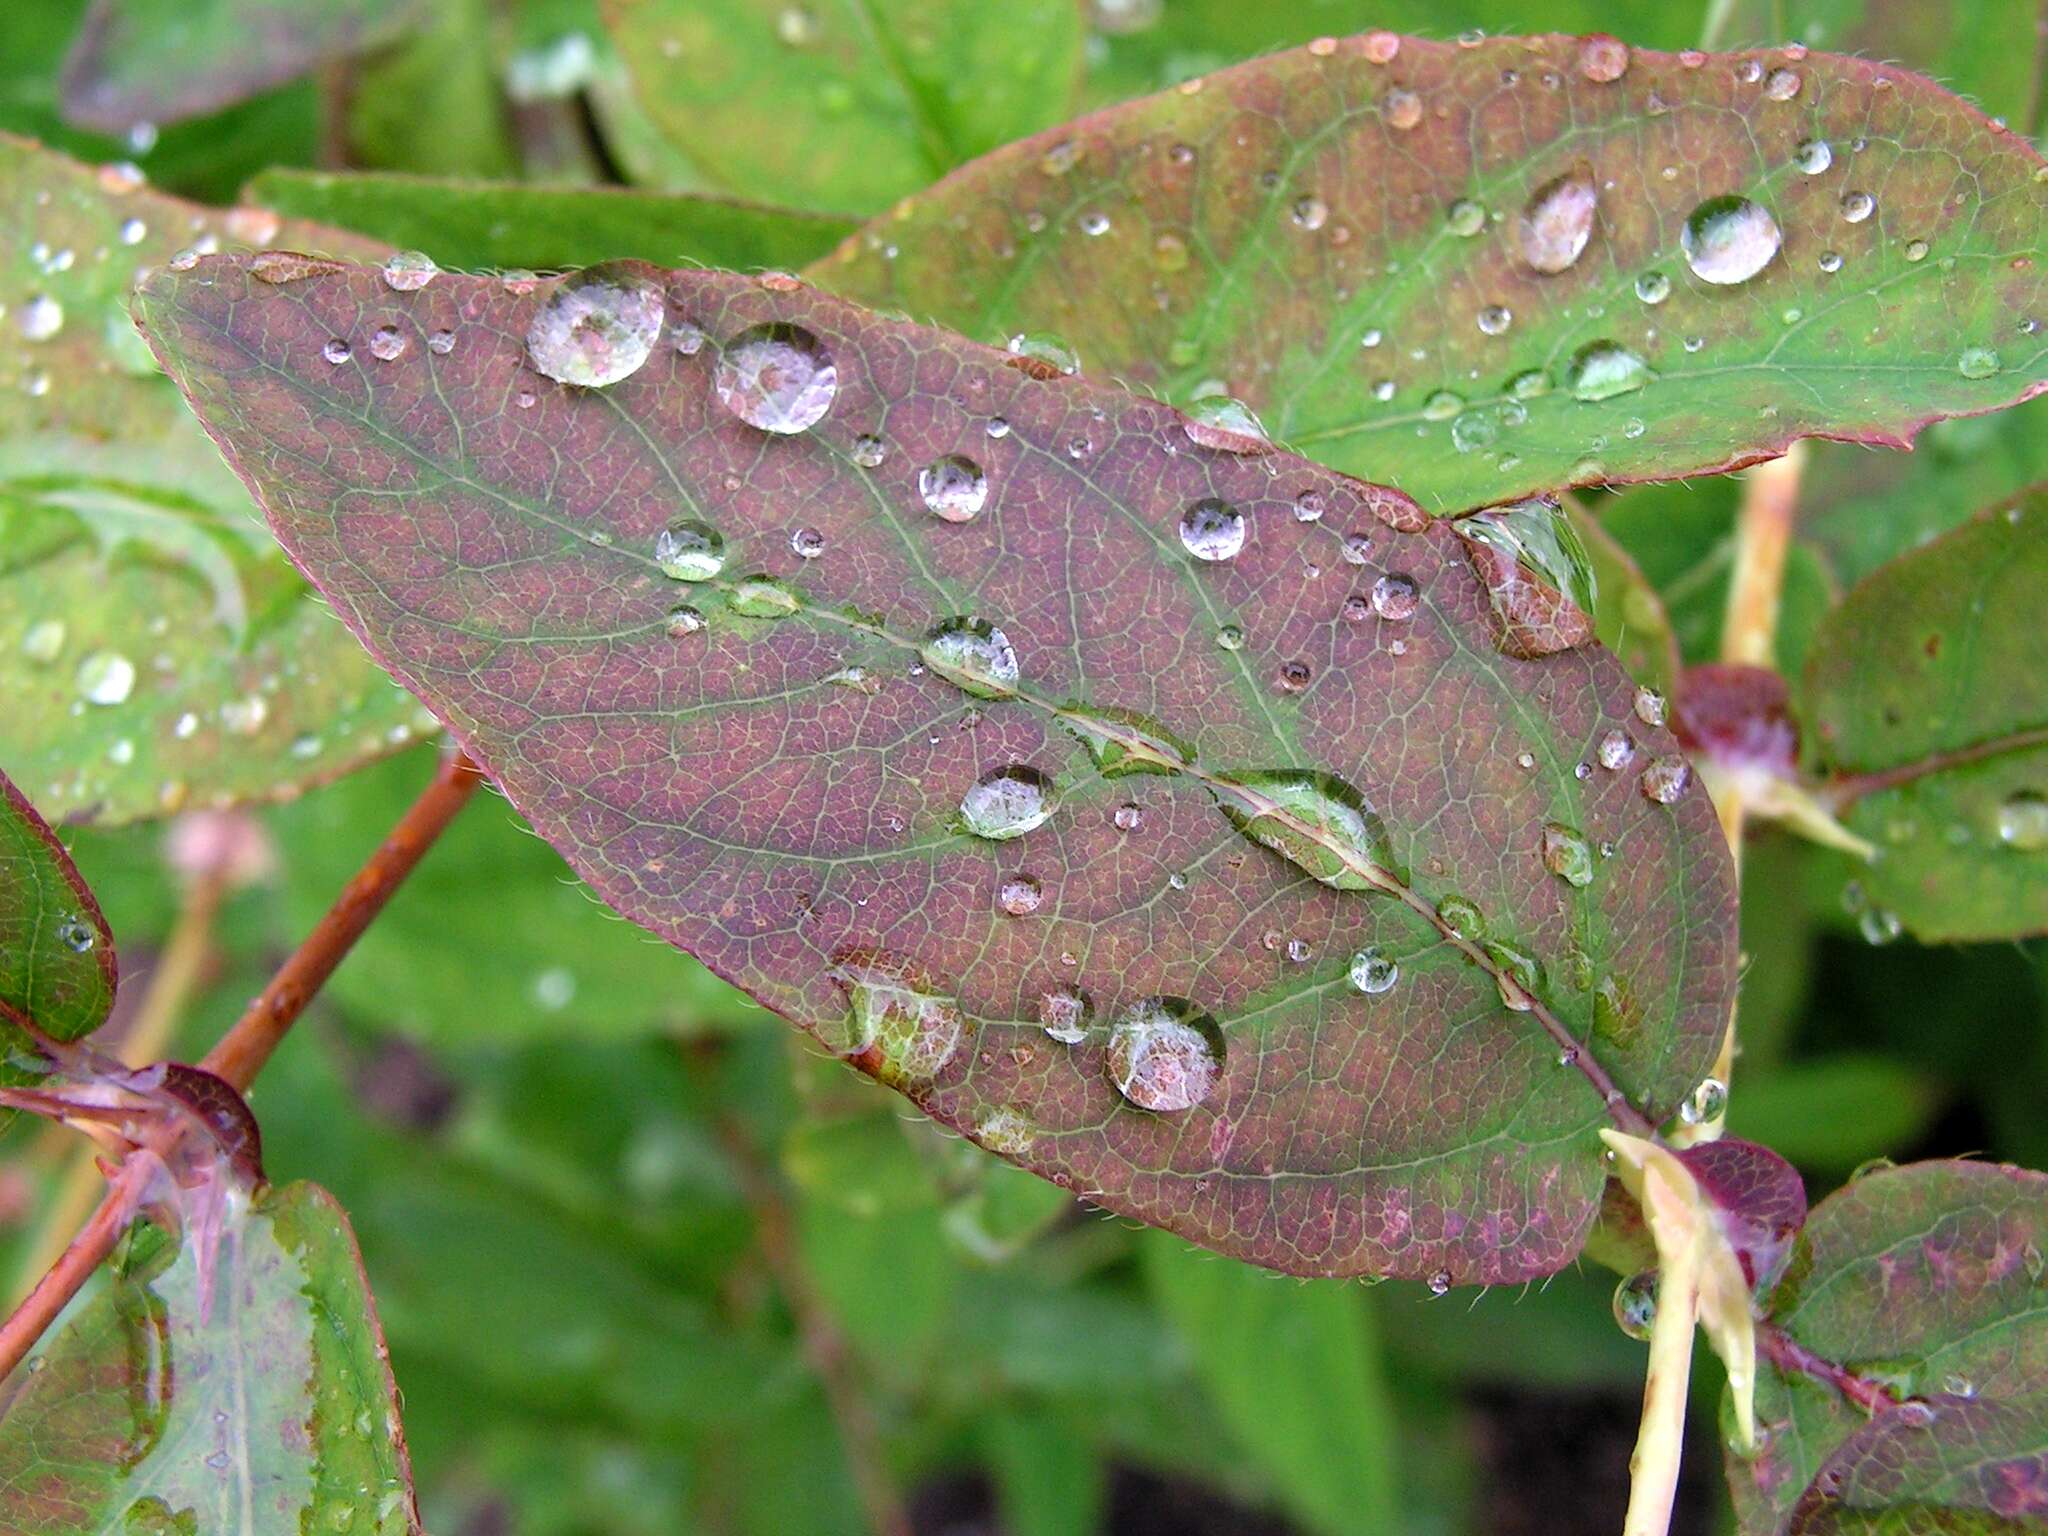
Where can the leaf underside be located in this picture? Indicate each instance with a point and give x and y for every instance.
(1930, 1281)
(1338, 241)
(155, 648)
(783, 796)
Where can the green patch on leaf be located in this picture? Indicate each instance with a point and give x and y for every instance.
(57, 969)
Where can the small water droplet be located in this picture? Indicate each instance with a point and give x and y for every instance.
(441, 342)
(1781, 85)
(1019, 895)
(1653, 287)
(1600, 370)
(1813, 156)
(1440, 1283)
(1395, 597)
(595, 327)
(1495, 319)
(1857, 206)
(1977, 363)
(1635, 1305)
(1615, 751)
(954, 488)
(690, 551)
(1230, 637)
(387, 344)
(1007, 802)
(763, 597)
(1566, 854)
(1916, 250)
(1829, 261)
(808, 543)
(1372, 972)
(1065, 1013)
(1879, 925)
(973, 655)
(687, 338)
(1212, 530)
(1044, 355)
(1555, 225)
(40, 317)
(409, 271)
(1706, 1103)
(1165, 1055)
(1310, 212)
(1649, 706)
(776, 377)
(106, 677)
(44, 640)
(336, 351)
(1402, 110)
(1442, 405)
(1226, 425)
(2022, 822)
(1665, 778)
(1729, 240)
(1309, 507)
(1465, 218)
(1602, 58)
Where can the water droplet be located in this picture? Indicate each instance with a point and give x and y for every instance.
(1044, 356)
(1494, 319)
(1442, 405)
(777, 377)
(1381, 47)
(1065, 1013)
(1555, 225)
(76, 935)
(1309, 507)
(1465, 218)
(2022, 821)
(133, 231)
(687, 338)
(808, 543)
(441, 342)
(1402, 110)
(973, 655)
(1729, 239)
(1440, 1283)
(1165, 1055)
(954, 488)
(1916, 250)
(689, 551)
(1007, 802)
(387, 344)
(1813, 156)
(1615, 751)
(336, 351)
(1061, 158)
(1829, 261)
(106, 677)
(40, 318)
(1635, 1305)
(1315, 821)
(1879, 925)
(1649, 706)
(44, 640)
(1600, 370)
(763, 597)
(1224, 424)
(1602, 58)
(1857, 206)
(1653, 287)
(1706, 1103)
(1665, 778)
(1309, 212)
(1212, 530)
(1566, 854)
(595, 327)
(897, 1022)
(1094, 222)
(1373, 972)
(998, 427)
(1396, 597)
(869, 451)
(1019, 895)
(1977, 363)
(409, 271)
(1781, 85)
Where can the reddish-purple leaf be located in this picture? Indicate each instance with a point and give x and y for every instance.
(1395, 1066)
(1477, 271)
(1944, 1465)
(1737, 717)
(1758, 1197)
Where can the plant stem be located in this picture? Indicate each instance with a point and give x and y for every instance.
(170, 985)
(1660, 1439)
(823, 1344)
(1791, 1357)
(241, 1052)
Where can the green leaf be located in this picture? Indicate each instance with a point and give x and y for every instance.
(492, 938)
(431, 104)
(844, 105)
(156, 649)
(157, 61)
(777, 764)
(1925, 698)
(1479, 272)
(1834, 1112)
(502, 224)
(1925, 1281)
(1628, 615)
(57, 968)
(1295, 1371)
(1049, 1482)
(275, 1412)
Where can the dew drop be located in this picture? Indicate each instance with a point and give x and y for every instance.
(1566, 854)
(1064, 1013)
(1402, 110)
(1879, 925)
(1615, 751)
(1600, 370)
(689, 551)
(1857, 206)
(1019, 895)
(776, 377)
(409, 271)
(1813, 156)
(2022, 822)
(1648, 704)
(1829, 261)
(441, 342)
(1225, 424)
(336, 351)
(1665, 778)
(1373, 972)
(1314, 820)
(1395, 597)
(1007, 802)
(1553, 228)
(43, 642)
(954, 488)
(1230, 637)
(897, 1022)
(869, 451)
(1729, 240)
(1465, 218)
(1706, 1103)
(1442, 405)
(687, 338)
(1977, 363)
(40, 318)
(1781, 85)
(1440, 1283)
(1309, 507)
(1653, 287)
(808, 543)
(973, 655)
(682, 620)
(1495, 319)
(1916, 250)
(106, 677)
(1044, 355)
(763, 597)
(1310, 212)
(76, 935)
(596, 327)
(1128, 817)
(1603, 59)
(387, 344)
(1212, 529)
(1635, 1305)
(1165, 1055)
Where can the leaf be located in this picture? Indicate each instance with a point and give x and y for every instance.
(1048, 1482)
(771, 767)
(431, 103)
(1926, 1281)
(1628, 615)
(1296, 1373)
(1419, 271)
(847, 105)
(277, 1412)
(491, 939)
(1834, 1112)
(156, 649)
(502, 224)
(57, 968)
(1925, 697)
(158, 61)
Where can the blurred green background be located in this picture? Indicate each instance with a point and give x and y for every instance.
(650, 1264)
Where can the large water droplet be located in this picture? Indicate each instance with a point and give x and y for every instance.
(1315, 821)
(1567, 855)
(1064, 1013)
(1044, 356)
(973, 655)
(689, 551)
(2022, 821)
(1729, 239)
(1212, 529)
(1225, 424)
(1977, 363)
(409, 271)
(1165, 1054)
(1707, 1102)
(597, 326)
(953, 488)
(1813, 156)
(1395, 597)
(1600, 370)
(1665, 778)
(1020, 895)
(106, 677)
(1554, 226)
(898, 1024)
(1373, 972)
(777, 377)
(763, 597)
(1007, 802)
(1540, 538)
(1122, 741)
(1857, 206)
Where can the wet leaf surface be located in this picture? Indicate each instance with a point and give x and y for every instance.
(155, 647)
(275, 1411)
(720, 633)
(470, 224)
(56, 954)
(849, 104)
(1477, 272)
(157, 61)
(1925, 693)
(1927, 1280)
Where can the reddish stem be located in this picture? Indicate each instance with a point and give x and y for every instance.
(1791, 1357)
(242, 1051)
